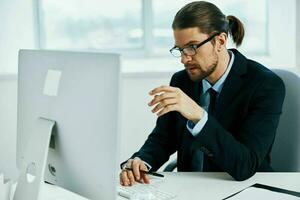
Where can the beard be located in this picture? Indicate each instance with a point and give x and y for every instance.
(197, 72)
(200, 74)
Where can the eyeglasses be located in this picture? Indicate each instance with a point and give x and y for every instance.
(191, 49)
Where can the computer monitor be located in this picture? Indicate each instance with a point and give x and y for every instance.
(80, 92)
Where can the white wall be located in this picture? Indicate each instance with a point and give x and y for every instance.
(137, 120)
(16, 22)
(8, 116)
(298, 35)
(282, 35)
(17, 31)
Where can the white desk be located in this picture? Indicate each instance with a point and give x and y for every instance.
(188, 185)
(220, 185)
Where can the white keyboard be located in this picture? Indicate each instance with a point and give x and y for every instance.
(144, 191)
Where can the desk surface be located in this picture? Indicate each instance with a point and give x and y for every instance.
(188, 185)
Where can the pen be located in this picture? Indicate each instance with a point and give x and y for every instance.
(146, 172)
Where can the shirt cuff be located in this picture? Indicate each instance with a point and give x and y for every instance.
(147, 165)
(195, 129)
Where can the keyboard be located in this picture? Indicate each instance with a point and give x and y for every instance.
(144, 191)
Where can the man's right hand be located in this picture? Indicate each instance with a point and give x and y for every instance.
(129, 177)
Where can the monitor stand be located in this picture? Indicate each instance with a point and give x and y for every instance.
(32, 172)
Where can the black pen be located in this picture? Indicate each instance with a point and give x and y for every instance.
(146, 172)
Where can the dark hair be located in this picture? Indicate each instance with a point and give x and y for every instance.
(209, 19)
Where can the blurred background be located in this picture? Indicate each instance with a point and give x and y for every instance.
(140, 30)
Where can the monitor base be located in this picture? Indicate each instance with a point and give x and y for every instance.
(32, 172)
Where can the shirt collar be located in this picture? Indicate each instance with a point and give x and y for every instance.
(219, 84)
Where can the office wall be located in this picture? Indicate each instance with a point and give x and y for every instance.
(8, 116)
(17, 31)
(137, 120)
(298, 35)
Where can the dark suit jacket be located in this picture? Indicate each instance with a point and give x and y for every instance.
(237, 138)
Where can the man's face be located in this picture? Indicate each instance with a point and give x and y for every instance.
(204, 62)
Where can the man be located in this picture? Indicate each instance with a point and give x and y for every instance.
(220, 113)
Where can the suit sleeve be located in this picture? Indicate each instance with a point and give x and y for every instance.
(160, 144)
(242, 155)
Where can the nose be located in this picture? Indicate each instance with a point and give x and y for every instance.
(185, 59)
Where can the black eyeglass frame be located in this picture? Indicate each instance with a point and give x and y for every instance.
(193, 46)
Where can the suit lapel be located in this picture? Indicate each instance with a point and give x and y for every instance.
(227, 94)
(232, 83)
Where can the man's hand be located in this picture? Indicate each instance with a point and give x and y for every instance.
(167, 98)
(128, 177)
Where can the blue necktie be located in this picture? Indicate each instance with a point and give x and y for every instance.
(198, 157)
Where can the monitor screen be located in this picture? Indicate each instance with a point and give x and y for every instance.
(80, 92)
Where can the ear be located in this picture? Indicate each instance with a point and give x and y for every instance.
(221, 41)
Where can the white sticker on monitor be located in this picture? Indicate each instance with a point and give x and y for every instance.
(52, 82)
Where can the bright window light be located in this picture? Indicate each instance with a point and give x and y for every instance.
(91, 24)
(119, 25)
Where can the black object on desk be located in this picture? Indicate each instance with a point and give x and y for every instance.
(271, 188)
(146, 172)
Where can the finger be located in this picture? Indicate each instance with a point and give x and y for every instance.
(141, 180)
(130, 177)
(158, 98)
(164, 103)
(162, 89)
(129, 163)
(167, 109)
(145, 177)
(124, 178)
(136, 168)
(120, 179)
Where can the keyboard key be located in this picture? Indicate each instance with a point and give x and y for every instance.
(143, 191)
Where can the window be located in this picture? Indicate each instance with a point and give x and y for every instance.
(101, 25)
(91, 24)
(252, 13)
